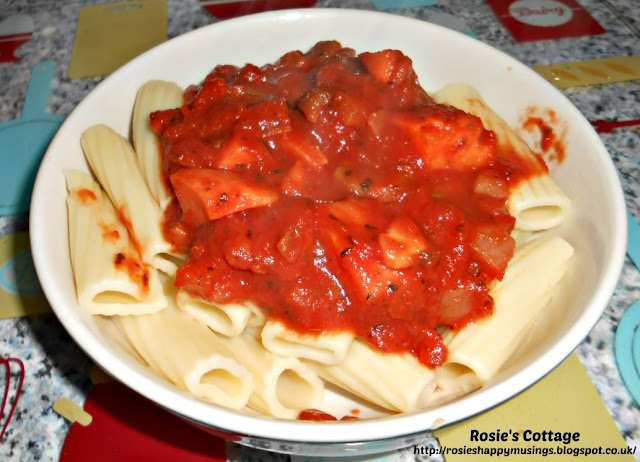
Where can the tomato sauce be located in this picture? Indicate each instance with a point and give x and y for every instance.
(331, 190)
(137, 270)
(315, 415)
(86, 196)
(109, 233)
(552, 134)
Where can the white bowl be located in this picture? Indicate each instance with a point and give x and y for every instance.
(596, 228)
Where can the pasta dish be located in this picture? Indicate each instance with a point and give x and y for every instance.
(322, 219)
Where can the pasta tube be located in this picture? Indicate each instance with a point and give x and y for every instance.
(154, 95)
(526, 288)
(326, 348)
(227, 319)
(450, 382)
(283, 386)
(537, 203)
(393, 381)
(185, 351)
(112, 160)
(109, 274)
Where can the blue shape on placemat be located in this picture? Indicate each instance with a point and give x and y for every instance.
(18, 275)
(635, 349)
(627, 330)
(23, 142)
(400, 4)
(633, 239)
(627, 341)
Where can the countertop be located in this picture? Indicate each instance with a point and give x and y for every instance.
(57, 367)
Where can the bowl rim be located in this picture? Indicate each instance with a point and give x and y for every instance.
(319, 432)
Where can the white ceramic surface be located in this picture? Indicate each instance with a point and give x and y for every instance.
(596, 228)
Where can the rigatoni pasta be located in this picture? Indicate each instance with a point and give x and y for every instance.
(537, 203)
(528, 283)
(224, 318)
(111, 278)
(153, 96)
(329, 348)
(309, 259)
(113, 161)
(392, 381)
(283, 384)
(181, 349)
(477, 352)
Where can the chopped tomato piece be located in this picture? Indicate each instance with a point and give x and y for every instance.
(303, 180)
(313, 103)
(361, 212)
(372, 279)
(489, 183)
(242, 252)
(333, 232)
(301, 148)
(243, 150)
(268, 118)
(455, 304)
(494, 248)
(208, 194)
(387, 187)
(448, 138)
(349, 109)
(210, 91)
(296, 237)
(160, 120)
(252, 74)
(388, 66)
(402, 243)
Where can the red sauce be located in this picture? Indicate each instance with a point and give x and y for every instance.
(330, 189)
(138, 271)
(109, 232)
(552, 139)
(124, 219)
(316, 415)
(86, 196)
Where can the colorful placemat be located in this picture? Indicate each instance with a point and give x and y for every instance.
(591, 72)
(20, 291)
(529, 20)
(386, 5)
(11, 381)
(23, 142)
(627, 340)
(15, 31)
(112, 34)
(562, 414)
(224, 9)
(627, 349)
(124, 426)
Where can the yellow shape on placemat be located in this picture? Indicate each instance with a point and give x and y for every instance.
(20, 291)
(564, 402)
(72, 411)
(112, 34)
(591, 72)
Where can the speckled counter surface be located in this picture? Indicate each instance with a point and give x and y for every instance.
(57, 367)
